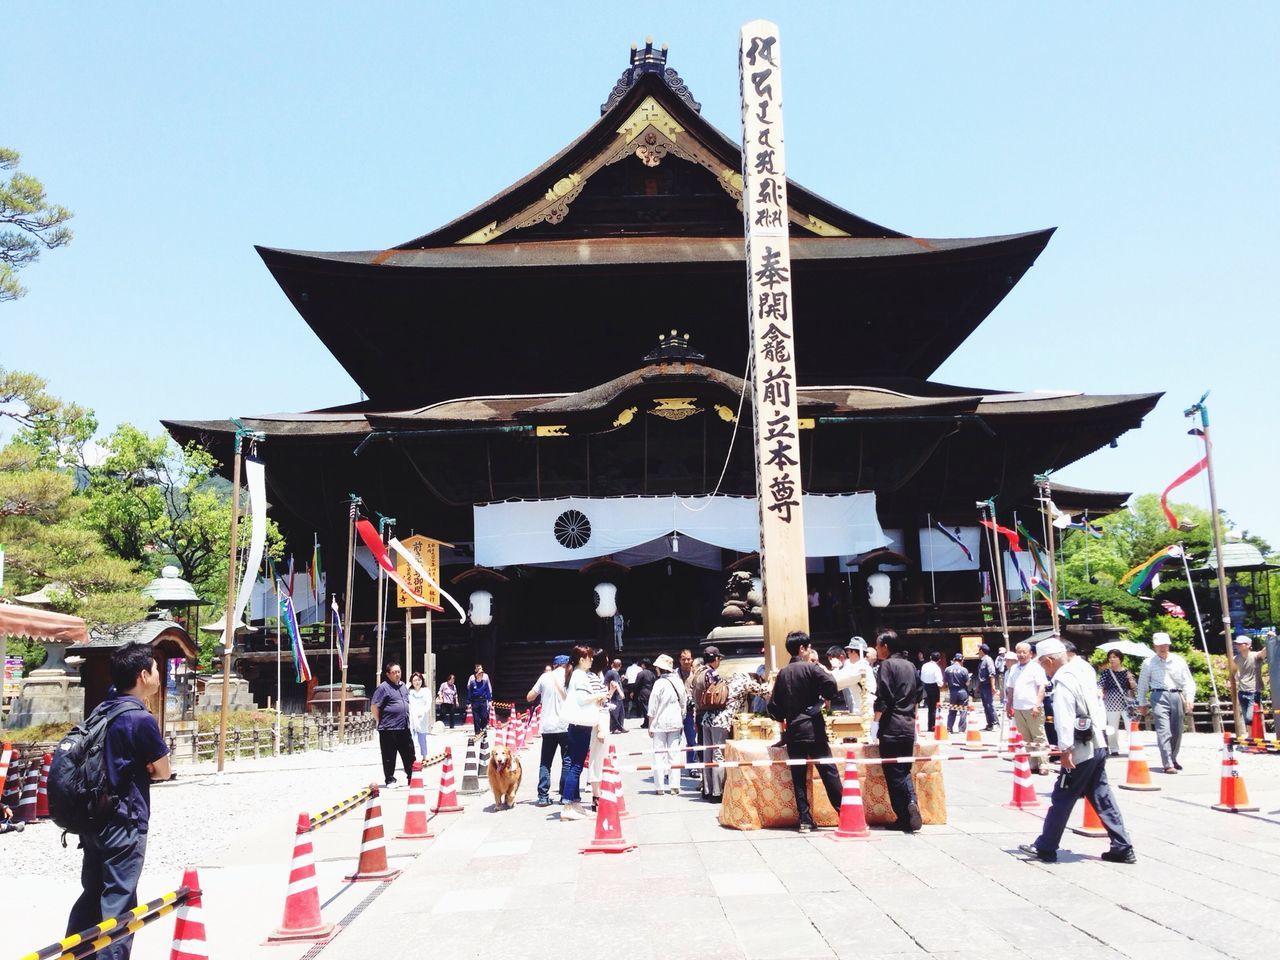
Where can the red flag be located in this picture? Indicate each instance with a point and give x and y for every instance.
(374, 542)
(1015, 542)
(1173, 609)
(1164, 497)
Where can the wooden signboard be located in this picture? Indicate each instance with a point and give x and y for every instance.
(768, 255)
(427, 552)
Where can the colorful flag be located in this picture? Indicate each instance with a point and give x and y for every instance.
(1182, 478)
(339, 638)
(315, 571)
(1142, 574)
(954, 538)
(1037, 553)
(376, 547)
(301, 669)
(1173, 609)
(291, 574)
(1010, 535)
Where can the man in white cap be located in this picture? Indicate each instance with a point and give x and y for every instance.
(863, 686)
(1248, 677)
(1078, 725)
(1165, 683)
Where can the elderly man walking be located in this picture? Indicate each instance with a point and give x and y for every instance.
(1079, 722)
(1025, 685)
(1165, 683)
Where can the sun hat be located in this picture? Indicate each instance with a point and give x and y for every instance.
(1247, 641)
(856, 643)
(1049, 647)
(1160, 639)
(663, 662)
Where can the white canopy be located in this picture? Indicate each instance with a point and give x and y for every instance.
(580, 528)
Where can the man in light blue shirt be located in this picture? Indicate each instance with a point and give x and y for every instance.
(1166, 684)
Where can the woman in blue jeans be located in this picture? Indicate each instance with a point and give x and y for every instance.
(582, 709)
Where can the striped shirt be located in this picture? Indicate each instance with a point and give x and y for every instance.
(1170, 674)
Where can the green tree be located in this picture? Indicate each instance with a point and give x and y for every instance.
(29, 224)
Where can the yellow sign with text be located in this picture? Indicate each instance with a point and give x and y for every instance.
(427, 552)
(969, 647)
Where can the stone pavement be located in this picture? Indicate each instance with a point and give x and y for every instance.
(512, 884)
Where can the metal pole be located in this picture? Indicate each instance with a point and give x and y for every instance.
(351, 563)
(228, 635)
(1053, 563)
(1216, 520)
(933, 583)
(1216, 713)
(997, 566)
(279, 660)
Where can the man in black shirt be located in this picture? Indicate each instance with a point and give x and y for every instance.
(797, 698)
(645, 680)
(897, 693)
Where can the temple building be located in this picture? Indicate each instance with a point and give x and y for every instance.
(557, 386)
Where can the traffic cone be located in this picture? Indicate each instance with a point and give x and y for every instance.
(521, 729)
(499, 735)
(470, 770)
(42, 791)
(470, 718)
(1257, 731)
(1090, 826)
(302, 920)
(612, 757)
(373, 844)
(483, 762)
(853, 817)
(535, 730)
(1232, 796)
(26, 808)
(6, 754)
(416, 826)
(188, 925)
(447, 801)
(11, 789)
(1024, 795)
(940, 734)
(1138, 776)
(973, 739)
(608, 838)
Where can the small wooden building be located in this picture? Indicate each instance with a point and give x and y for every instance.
(167, 638)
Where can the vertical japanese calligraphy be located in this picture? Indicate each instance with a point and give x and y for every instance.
(768, 256)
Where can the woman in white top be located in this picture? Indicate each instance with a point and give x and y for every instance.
(666, 722)
(600, 738)
(419, 712)
(581, 708)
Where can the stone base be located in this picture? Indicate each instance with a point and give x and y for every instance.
(210, 701)
(48, 696)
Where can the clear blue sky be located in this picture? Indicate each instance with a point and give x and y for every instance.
(180, 136)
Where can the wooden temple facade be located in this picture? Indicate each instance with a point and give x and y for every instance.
(584, 336)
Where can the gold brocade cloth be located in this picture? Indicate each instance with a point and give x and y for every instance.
(757, 797)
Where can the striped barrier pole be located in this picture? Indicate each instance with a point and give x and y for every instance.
(96, 938)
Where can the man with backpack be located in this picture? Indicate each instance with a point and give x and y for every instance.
(100, 787)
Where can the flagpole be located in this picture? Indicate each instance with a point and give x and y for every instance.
(228, 632)
(1200, 408)
(997, 566)
(279, 659)
(933, 583)
(1204, 642)
(1043, 483)
(351, 562)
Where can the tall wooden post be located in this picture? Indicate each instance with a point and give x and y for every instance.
(346, 660)
(1203, 411)
(1049, 548)
(773, 348)
(228, 633)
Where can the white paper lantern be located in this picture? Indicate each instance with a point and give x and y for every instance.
(480, 608)
(878, 589)
(606, 599)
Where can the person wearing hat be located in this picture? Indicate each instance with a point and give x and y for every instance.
(957, 678)
(1166, 684)
(1248, 677)
(666, 722)
(840, 669)
(1078, 730)
(862, 687)
(555, 728)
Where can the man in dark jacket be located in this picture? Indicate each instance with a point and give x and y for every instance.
(645, 680)
(797, 698)
(897, 693)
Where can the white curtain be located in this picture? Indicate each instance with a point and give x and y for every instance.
(580, 528)
(940, 553)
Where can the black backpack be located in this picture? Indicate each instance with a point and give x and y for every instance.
(80, 796)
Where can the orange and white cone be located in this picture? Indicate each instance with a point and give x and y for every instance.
(1232, 796)
(853, 817)
(373, 844)
(535, 728)
(973, 738)
(522, 728)
(26, 809)
(612, 757)
(1138, 776)
(940, 734)
(608, 838)
(470, 718)
(188, 925)
(1090, 826)
(1257, 731)
(302, 920)
(42, 791)
(1024, 794)
(416, 825)
(1015, 743)
(447, 799)
(6, 755)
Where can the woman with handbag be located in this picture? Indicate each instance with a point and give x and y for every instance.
(1118, 687)
(666, 722)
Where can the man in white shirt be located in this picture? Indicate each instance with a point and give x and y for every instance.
(1025, 684)
(1079, 722)
(840, 669)
(555, 729)
(931, 683)
(1166, 684)
(862, 689)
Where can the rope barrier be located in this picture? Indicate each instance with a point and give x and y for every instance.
(860, 761)
(1271, 746)
(90, 941)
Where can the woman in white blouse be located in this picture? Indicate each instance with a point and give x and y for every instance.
(581, 708)
(666, 722)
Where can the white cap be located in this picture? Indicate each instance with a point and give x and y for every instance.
(1049, 647)
(1247, 641)
(1160, 639)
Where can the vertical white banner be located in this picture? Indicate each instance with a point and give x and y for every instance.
(768, 255)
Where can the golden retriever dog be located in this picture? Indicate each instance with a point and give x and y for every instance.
(504, 777)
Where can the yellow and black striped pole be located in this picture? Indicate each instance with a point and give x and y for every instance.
(90, 941)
